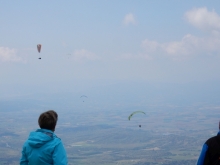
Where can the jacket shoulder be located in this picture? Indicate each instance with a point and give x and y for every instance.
(214, 139)
(213, 144)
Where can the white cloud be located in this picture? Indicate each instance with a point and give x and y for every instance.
(187, 47)
(190, 45)
(150, 46)
(9, 55)
(129, 19)
(203, 19)
(79, 55)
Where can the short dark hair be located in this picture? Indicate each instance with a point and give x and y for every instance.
(48, 120)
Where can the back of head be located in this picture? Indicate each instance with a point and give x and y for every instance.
(48, 120)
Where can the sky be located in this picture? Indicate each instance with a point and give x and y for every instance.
(98, 43)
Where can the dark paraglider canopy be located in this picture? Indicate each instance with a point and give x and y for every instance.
(83, 97)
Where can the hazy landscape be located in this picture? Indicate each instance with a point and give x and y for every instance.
(98, 132)
(159, 57)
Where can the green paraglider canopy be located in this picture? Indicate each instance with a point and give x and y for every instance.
(129, 117)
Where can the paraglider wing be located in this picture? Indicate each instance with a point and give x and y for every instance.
(39, 48)
(83, 97)
(129, 117)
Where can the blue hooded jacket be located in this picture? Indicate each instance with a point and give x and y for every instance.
(43, 147)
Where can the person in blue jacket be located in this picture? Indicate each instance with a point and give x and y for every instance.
(43, 147)
(210, 154)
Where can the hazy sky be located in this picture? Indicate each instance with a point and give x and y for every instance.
(107, 41)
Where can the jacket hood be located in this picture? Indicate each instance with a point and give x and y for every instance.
(40, 137)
